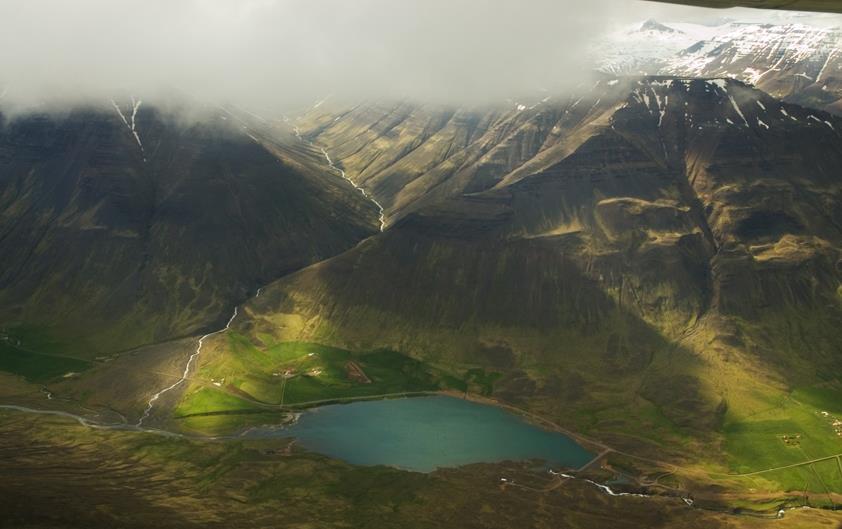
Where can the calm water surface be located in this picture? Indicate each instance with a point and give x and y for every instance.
(425, 433)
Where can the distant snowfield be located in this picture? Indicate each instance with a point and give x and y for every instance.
(774, 46)
(746, 51)
(644, 48)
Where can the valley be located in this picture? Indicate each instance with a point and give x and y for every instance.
(282, 351)
(459, 262)
(141, 220)
(612, 304)
(247, 484)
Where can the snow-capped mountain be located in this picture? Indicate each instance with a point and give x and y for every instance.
(797, 62)
(794, 61)
(644, 48)
(798, 47)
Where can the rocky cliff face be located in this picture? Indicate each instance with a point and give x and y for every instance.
(701, 216)
(124, 226)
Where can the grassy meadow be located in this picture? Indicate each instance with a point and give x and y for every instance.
(294, 373)
(37, 367)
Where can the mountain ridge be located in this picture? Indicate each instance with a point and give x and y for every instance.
(126, 230)
(659, 250)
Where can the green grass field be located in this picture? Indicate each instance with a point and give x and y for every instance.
(388, 372)
(210, 411)
(781, 429)
(805, 485)
(231, 389)
(37, 367)
(826, 397)
(293, 372)
(795, 429)
(207, 400)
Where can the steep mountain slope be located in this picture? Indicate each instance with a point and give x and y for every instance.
(796, 62)
(125, 225)
(409, 156)
(684, 258)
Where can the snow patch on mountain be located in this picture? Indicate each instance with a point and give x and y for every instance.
(751, 52)
(645, 48)
(130, 120)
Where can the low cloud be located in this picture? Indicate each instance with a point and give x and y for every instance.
(282, 53)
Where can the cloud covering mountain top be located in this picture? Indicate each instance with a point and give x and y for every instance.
(270, 52)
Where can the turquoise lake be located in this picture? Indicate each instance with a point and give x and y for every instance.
(425, 433)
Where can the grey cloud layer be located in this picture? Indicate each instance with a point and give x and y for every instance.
(267, 52)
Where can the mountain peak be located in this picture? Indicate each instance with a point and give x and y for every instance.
(654, 25)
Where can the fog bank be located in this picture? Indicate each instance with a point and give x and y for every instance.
(277, 53)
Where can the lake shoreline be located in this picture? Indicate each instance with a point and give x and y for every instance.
(597, 448)
(424, 434)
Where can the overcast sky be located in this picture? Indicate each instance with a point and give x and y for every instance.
(275, 52)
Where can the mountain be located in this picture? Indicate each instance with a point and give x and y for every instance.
(681, 261)
(409, 156)
(128, 225)
(652, 26)
(799, 63)
(644, 48)
(795, 62)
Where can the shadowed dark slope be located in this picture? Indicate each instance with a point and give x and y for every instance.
(119, 245)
